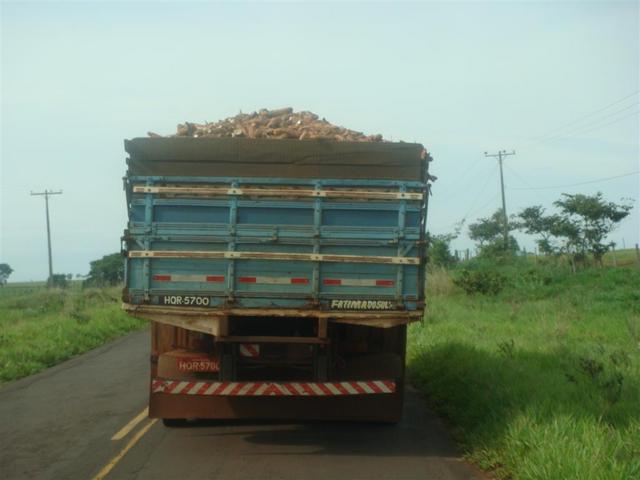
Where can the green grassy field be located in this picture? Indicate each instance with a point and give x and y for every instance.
(40, 327)
(541, 381)
(627, 257)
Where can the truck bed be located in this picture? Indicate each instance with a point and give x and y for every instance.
(243, 244)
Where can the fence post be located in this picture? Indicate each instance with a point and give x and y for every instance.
(637, 255)
(615, 260)
(466, 255)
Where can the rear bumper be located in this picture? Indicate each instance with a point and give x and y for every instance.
(274, 389)
(383, 407)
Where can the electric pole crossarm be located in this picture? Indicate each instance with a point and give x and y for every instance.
(505, 224)
(46, 195)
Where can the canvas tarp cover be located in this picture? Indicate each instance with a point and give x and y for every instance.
(244, 157)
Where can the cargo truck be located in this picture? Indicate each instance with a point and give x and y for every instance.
(278, 276)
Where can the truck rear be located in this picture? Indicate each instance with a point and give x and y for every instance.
(278, 275)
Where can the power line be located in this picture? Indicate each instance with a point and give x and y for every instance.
(482, 207)
(524, 181)
(598, 180)
(588, 125)
(451, 190)
(579, 119)
(484, 185)
(598, 127)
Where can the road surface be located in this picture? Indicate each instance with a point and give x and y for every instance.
(85, 419)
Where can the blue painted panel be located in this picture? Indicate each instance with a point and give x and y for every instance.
(190, 214)
(269, 247)
(275, 216)
(346, 227)
(136, 213)
(385, 251)
(360, 218)
(412, 285)
(413, 219)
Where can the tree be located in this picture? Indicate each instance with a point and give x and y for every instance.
(5, 272)
(109, 270)
(488, 234)
(586, 221)
(534, 222)
(439, 250)
(581, 226)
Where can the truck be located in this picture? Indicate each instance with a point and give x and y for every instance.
(278, 276)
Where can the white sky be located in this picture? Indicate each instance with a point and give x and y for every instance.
(461, 78)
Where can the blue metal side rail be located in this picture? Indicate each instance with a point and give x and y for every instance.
(222, 242)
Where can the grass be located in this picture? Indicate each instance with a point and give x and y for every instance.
(541, 381)
(626, 257)
(40, 327)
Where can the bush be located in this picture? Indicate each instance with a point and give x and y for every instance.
(109, 270)
(59, 280)
(486, 282)
(439, 251)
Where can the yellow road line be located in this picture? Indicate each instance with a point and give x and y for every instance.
(114, 461)
(124, 431)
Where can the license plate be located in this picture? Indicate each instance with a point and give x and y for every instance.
(184, 300)
(198, 365)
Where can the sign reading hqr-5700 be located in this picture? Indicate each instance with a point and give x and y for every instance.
(184, 300)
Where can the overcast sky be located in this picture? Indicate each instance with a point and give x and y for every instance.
(557, 82)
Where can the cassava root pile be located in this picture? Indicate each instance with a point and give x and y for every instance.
(281, 123)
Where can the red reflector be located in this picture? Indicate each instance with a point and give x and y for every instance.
(247, 279)
(385, 283)
(162, 278)
(300, 281)
(215, 278)
(332, 281)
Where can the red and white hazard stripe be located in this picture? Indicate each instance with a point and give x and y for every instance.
(275, 280)
(251, 350)
(358, 282)
(188, 278)
(256, 389)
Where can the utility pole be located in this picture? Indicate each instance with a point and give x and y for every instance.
(499, 156)
(46, 194)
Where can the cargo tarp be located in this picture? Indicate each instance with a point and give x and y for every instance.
(245, 157)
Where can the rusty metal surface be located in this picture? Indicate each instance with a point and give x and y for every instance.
(248, 157)
(402, 317)
(207, 321)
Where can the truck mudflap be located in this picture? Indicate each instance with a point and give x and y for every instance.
(259, 389)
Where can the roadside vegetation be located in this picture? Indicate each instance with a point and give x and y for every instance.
(541, 380)
(40, 327)
(535, 360)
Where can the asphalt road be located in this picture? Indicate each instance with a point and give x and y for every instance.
(59, 424)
